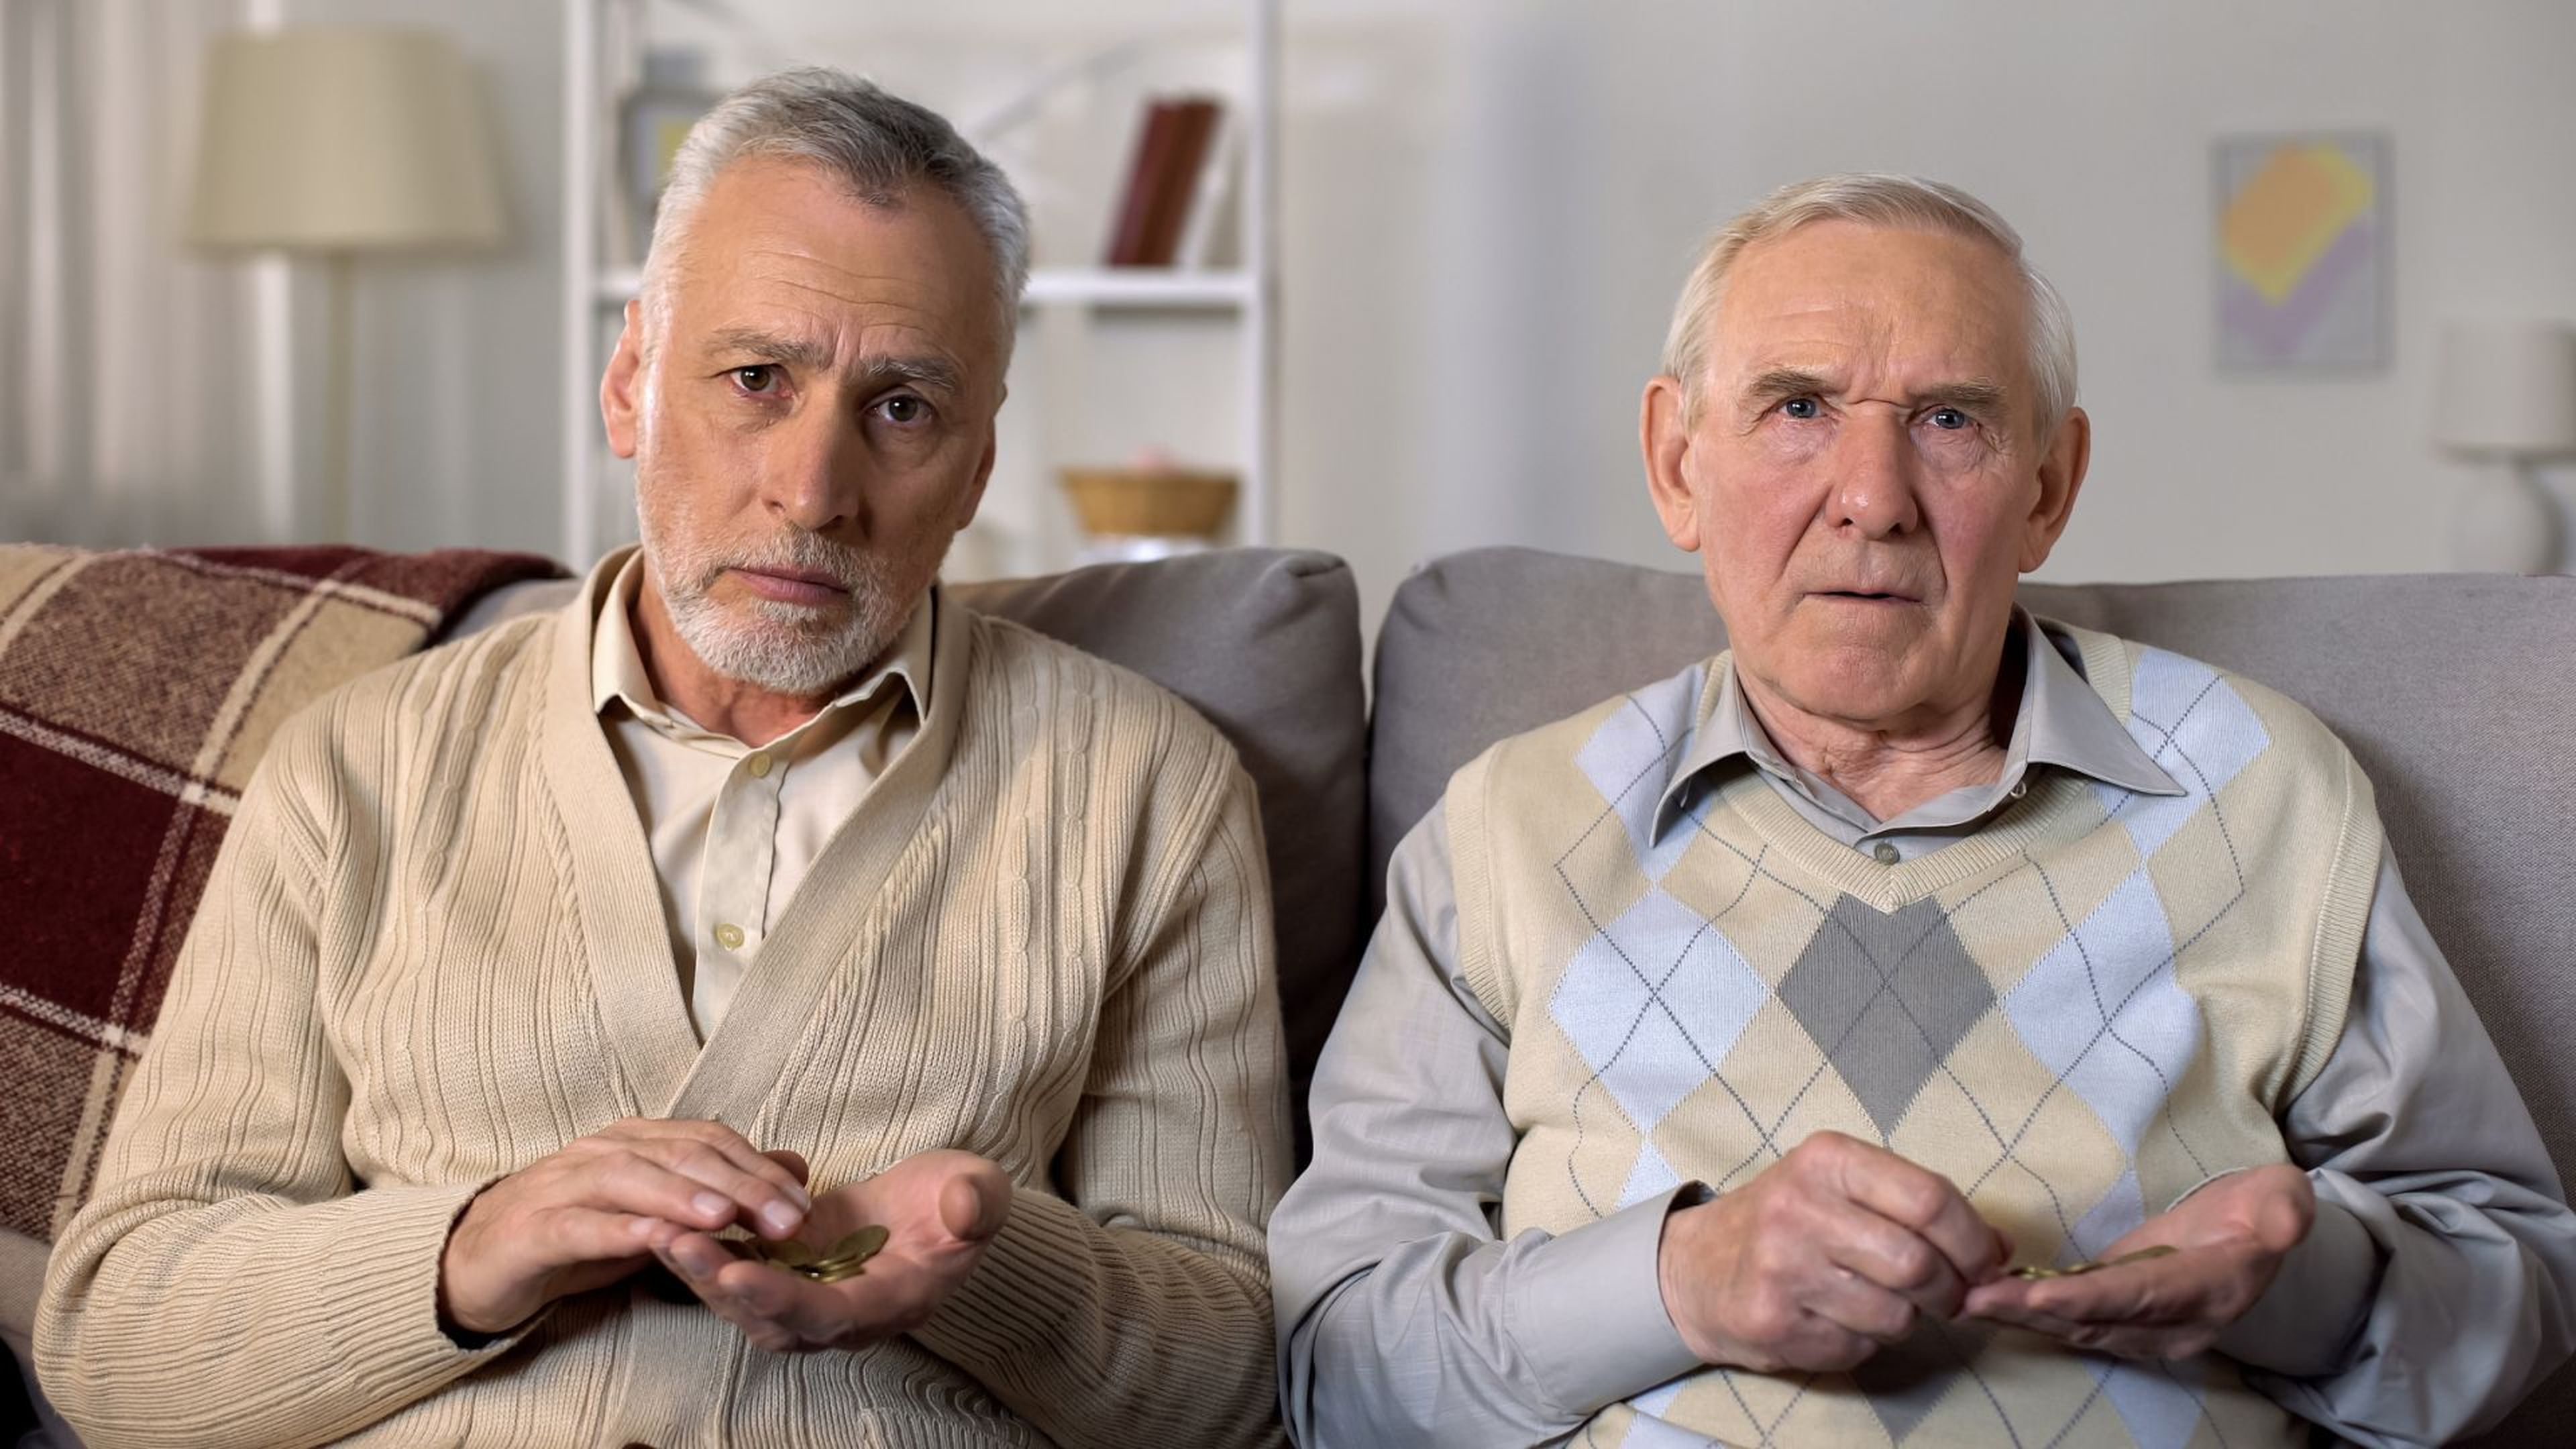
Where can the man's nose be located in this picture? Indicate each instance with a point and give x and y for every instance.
(815, 473)
(1874, 475)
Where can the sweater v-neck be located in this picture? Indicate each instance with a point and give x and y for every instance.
(2053, 805)
(618, 904)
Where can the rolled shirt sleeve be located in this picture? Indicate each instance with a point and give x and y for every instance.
(2435, 1288)
(1403, 1315)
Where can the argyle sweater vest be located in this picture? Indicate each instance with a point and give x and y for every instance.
(2078, 1014)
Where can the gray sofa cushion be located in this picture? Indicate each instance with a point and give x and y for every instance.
(2457, 693)
(1266, 644)
(1494, 641)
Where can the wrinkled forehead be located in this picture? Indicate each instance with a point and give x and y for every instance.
(787, 244)
(1897, 297)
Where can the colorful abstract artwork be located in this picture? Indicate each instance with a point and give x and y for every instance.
(2302, 251)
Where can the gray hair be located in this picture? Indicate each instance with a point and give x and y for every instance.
(1873, 199)
(871, 140)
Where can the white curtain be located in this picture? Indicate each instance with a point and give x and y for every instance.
(130, 370)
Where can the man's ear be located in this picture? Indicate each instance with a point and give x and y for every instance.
(618, 387)
(1663, 432)
(2061, 477)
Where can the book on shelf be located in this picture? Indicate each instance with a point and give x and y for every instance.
(1203, 236)
(1165, 177)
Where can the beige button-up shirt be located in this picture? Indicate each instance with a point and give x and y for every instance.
(733, 829)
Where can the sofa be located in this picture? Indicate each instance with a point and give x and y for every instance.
(2458, 693)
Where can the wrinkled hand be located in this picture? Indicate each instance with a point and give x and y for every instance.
(940, 1209)
(1830, 1252)
(2229, 1239)
(594, 1211)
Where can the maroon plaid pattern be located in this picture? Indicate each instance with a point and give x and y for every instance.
(137, 692)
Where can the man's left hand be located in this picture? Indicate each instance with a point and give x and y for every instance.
(2228, 1239)
(939, 1210)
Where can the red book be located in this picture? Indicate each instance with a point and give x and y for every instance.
(1176, 178)
(1154, 137)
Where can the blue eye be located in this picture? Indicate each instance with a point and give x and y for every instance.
(1802, 407)
(1949, 419)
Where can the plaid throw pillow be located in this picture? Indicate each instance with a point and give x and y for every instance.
(137, 691)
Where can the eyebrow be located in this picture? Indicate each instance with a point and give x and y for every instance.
(1772, 384)
(1972, 393)
(879, 370)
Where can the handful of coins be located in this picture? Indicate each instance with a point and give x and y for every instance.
(2034, 1273)
(847, 1258)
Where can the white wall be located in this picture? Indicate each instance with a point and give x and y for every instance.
(1488, 205)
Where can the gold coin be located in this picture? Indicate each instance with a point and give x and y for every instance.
(865, 1243)
(848, 1257)
(791, 1253)
(2033, 1273)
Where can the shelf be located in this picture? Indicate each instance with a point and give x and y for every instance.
(1136, 287)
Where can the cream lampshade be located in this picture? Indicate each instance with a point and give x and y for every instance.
(332, 141)
(2506, 395)
(335, 140)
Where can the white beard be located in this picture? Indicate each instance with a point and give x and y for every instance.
(791, 649)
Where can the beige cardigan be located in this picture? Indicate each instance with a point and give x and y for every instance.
(432, 952)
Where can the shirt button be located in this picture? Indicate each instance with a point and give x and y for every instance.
(759, 766)
(729, 936)
(1885, 850)
(2019, 789)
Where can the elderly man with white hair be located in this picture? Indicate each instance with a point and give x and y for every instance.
(1750, 1058)
(764, 893)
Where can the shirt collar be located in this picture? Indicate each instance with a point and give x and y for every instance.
(2062, 721)
(617, 674)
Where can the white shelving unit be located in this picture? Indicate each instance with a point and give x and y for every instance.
(1062, 305)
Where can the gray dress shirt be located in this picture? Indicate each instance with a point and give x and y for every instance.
(2437, 1285)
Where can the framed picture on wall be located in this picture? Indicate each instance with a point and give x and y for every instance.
(2302, 262)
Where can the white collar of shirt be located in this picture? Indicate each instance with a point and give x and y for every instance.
(2062, 721)
(617, 674)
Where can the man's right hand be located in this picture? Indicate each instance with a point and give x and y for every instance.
(593, 1212)
(1827, 1254)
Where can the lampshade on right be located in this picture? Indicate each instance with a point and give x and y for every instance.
(2506, 395)
(2507, 389)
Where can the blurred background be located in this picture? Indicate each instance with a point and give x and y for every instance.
(2322, 256)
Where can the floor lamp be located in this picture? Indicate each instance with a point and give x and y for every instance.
(325, 142)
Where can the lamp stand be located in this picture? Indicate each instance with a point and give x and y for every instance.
(335, 497)
(2505, 524)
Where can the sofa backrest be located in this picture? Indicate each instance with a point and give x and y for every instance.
(2457, 693)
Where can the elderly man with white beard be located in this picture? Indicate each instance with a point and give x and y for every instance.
(762, 893)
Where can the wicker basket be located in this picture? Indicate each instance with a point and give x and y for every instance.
(1150, 502)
